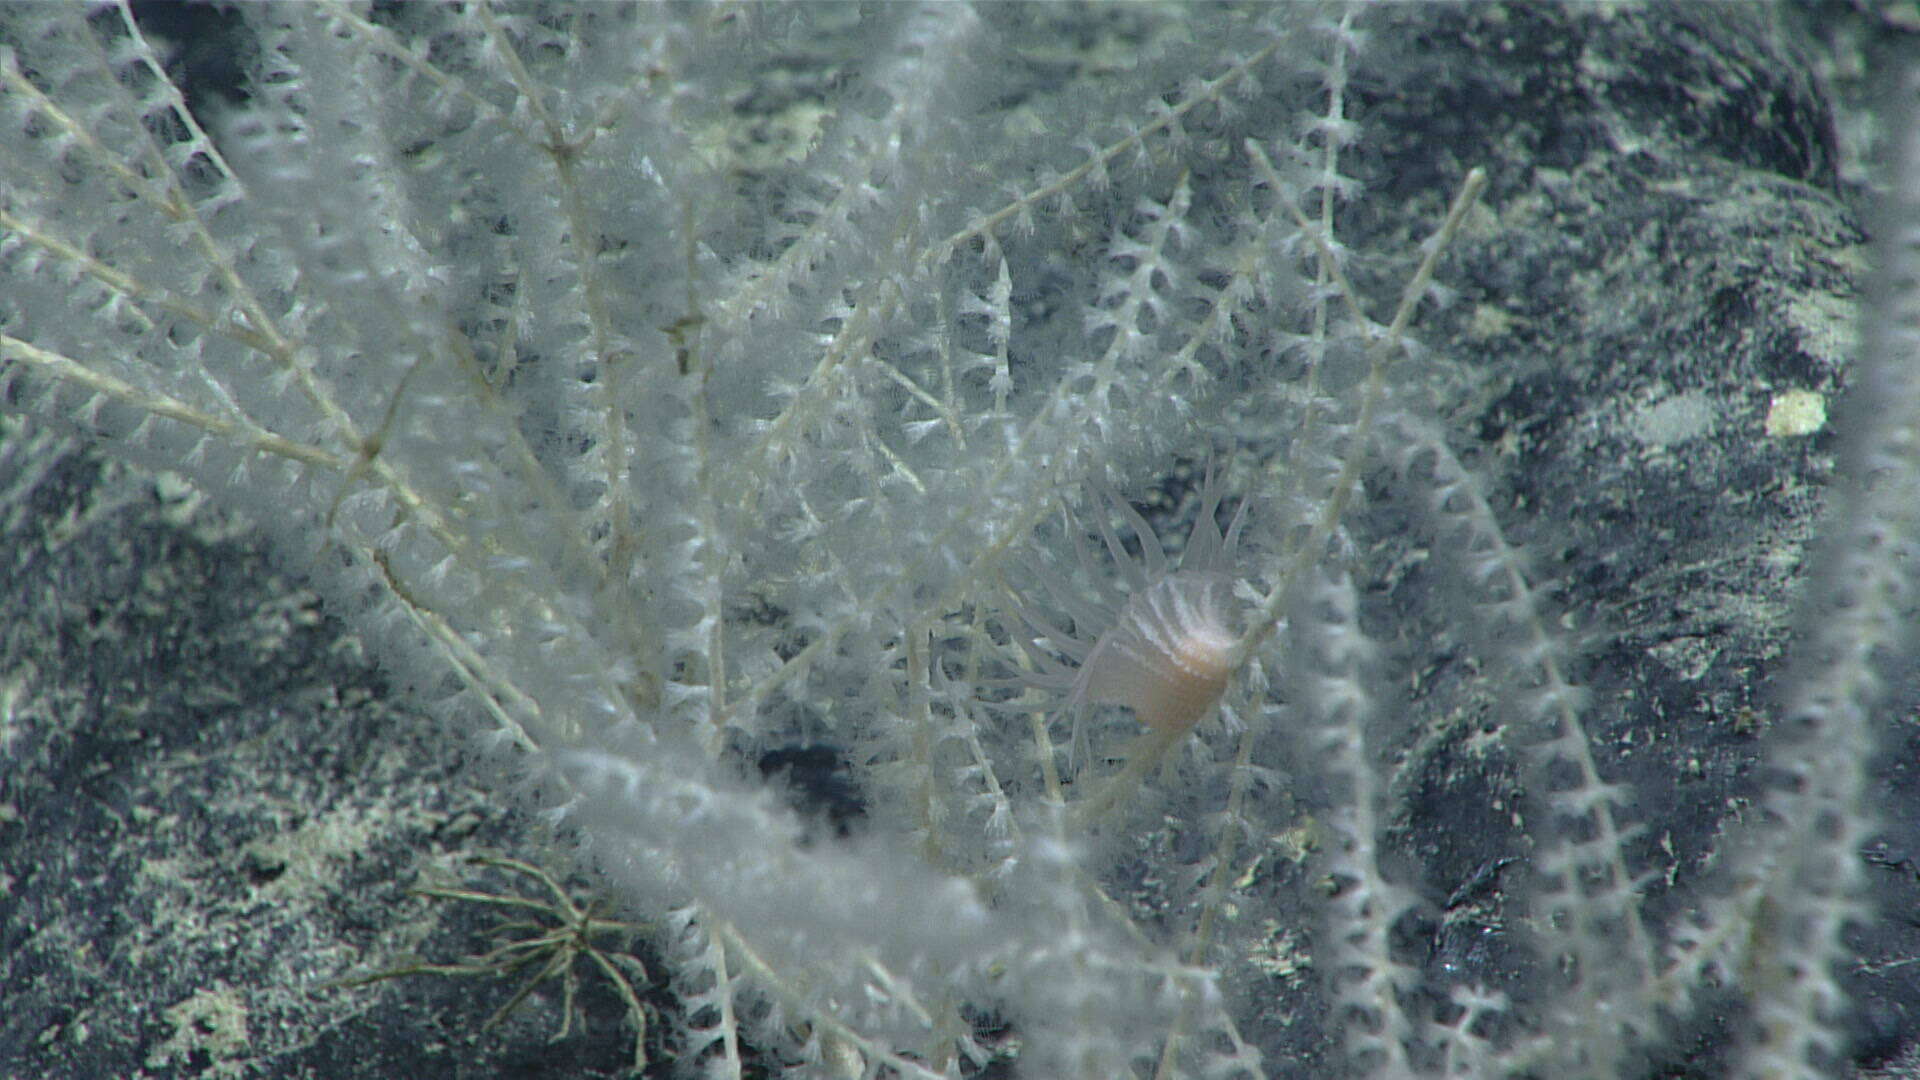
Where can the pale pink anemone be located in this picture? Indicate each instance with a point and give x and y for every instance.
(1160, 641)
